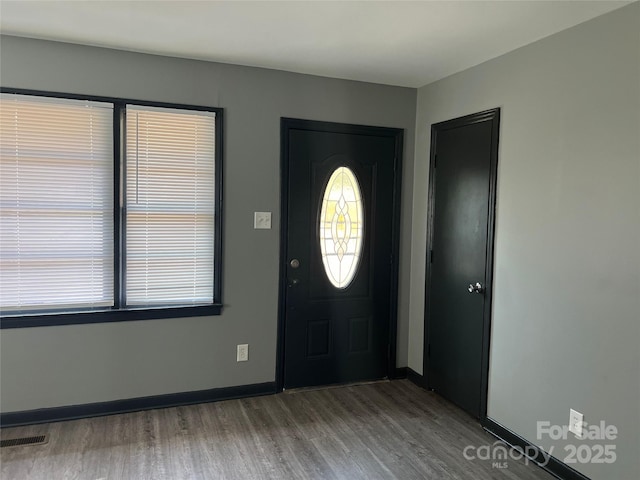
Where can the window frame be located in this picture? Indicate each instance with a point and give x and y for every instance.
(118, 313)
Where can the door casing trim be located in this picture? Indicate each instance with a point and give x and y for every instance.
(286, 125)
(493, 116)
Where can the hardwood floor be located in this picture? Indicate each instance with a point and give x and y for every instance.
(385, 430)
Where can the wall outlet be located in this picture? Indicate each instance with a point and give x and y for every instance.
(576, 422)
(262, 220)
(242, 353)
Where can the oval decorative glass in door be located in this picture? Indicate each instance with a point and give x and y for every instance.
(341, 227)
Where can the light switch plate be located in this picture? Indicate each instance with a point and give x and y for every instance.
(262, 220)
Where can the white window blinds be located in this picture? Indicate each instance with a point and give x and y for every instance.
(56, 203)
(169, 215)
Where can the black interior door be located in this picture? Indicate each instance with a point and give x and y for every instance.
(338, 332)
(464, 159)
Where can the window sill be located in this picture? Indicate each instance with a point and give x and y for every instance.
(105, 316)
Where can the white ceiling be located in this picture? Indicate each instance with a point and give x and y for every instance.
(391, 42)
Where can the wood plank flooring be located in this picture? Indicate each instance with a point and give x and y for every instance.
(385, 430)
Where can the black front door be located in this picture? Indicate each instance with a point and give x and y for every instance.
(338, 307)
(458, 296)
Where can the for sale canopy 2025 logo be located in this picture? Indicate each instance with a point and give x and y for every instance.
(595, 445)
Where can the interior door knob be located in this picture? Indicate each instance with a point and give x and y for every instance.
(477, 288)
(295, 263)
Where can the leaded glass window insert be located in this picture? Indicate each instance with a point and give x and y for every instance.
(341, 227)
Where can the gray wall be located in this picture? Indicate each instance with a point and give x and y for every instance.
(66, 365)
(566, 314)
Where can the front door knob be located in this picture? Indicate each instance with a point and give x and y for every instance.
(477, 288)
(295, 263)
